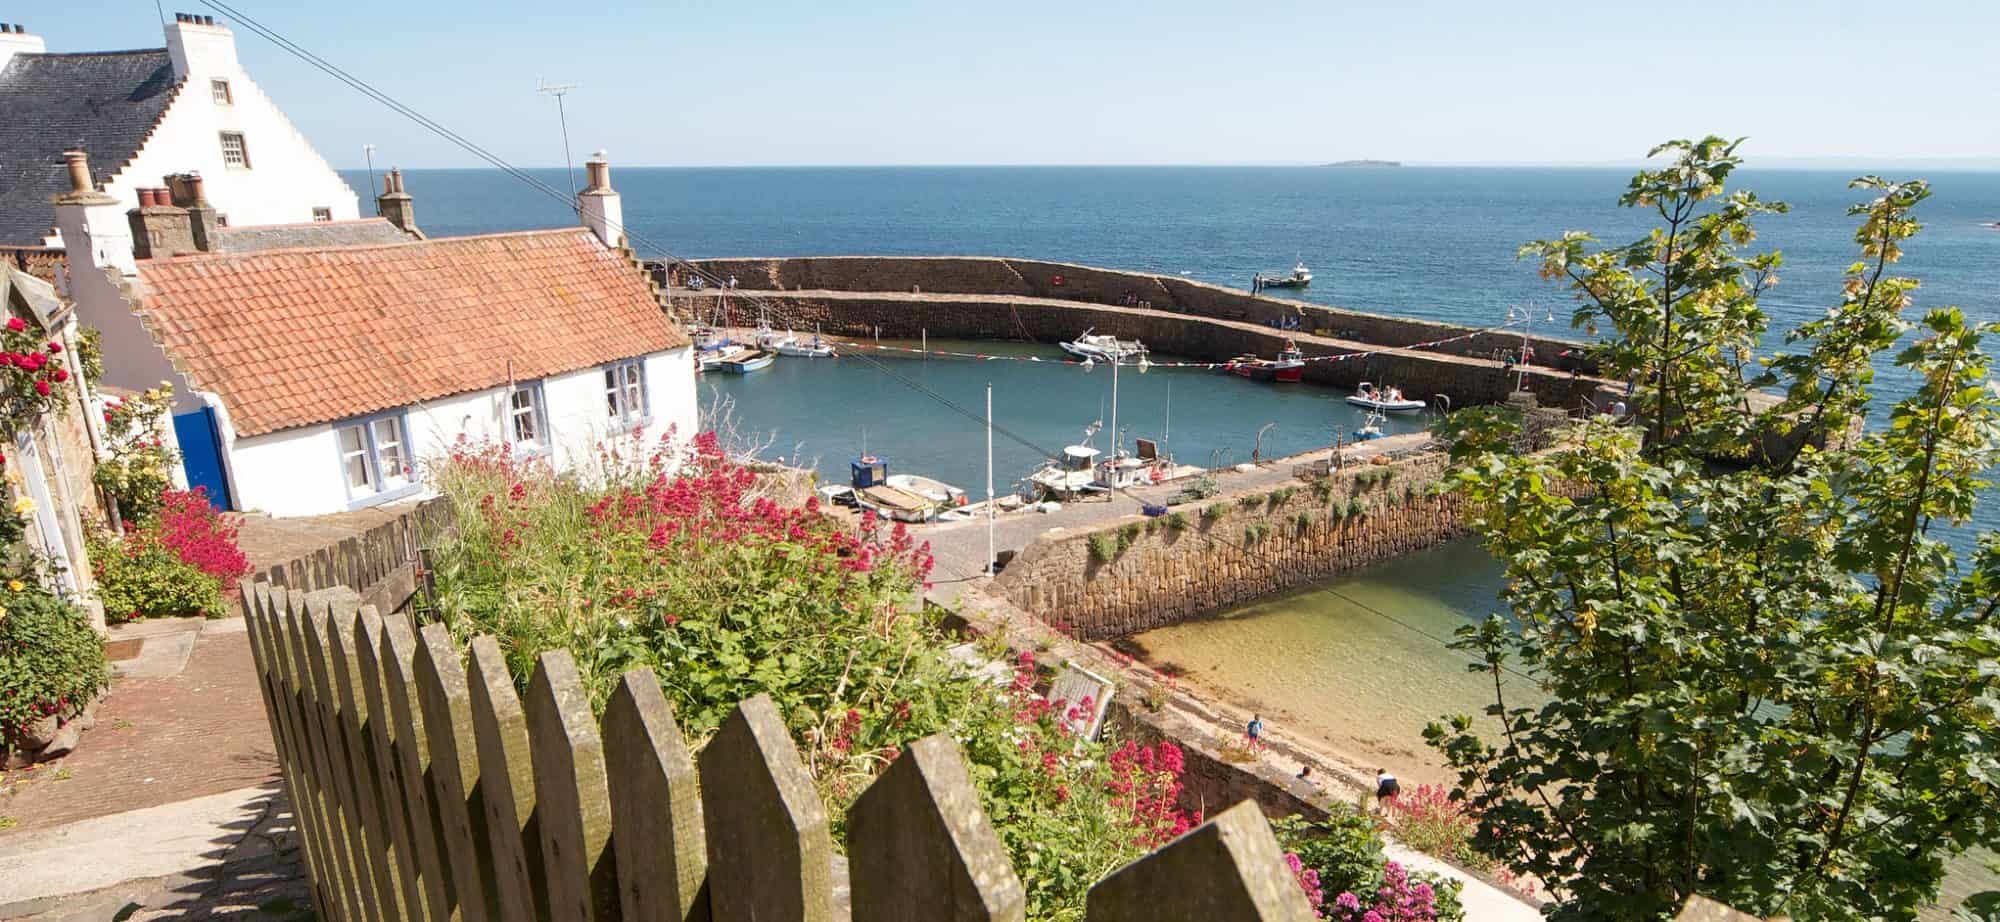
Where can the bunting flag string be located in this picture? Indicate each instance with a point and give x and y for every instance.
(989, 357)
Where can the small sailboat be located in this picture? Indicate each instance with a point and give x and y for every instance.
(1384, 399)
(1097, 347)
(1288, 368)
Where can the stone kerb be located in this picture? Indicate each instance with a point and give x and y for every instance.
(425, 789)
(1137, 574)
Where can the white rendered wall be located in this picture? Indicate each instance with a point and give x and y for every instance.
(297, 471)
(286, 178)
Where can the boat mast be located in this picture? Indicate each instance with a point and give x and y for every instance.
(989, 479)
(1115, 362)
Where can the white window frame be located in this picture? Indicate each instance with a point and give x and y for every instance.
(218, 90)
(621, 404)
(382, 486)
(242, 150)
(538, 413)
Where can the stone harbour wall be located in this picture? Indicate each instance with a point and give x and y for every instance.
(1138, 574)
(990, 275)
(1423, 374)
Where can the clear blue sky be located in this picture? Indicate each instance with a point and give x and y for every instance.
(1168, 81)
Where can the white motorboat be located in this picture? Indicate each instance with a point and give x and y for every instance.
(900, 497)
(1300, 278)
(1073, 474)
(1384, 399)
(937, 491)
(1098, 347)
(1371, 427)
(809, 349)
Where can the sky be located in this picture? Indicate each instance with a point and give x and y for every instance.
(751, 82)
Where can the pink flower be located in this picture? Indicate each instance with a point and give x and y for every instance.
(15, 324)
(54, 347)
(42, 388)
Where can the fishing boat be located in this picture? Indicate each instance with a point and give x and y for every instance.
(1384, 399)
(900, 497)
(742, 361)
(1371, 427)
(1098, 347)
(1288, 368)
(1300, 278)
(810, 349)
(1123, 471)
(1072, 474)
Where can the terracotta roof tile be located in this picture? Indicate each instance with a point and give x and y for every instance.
(294, 337)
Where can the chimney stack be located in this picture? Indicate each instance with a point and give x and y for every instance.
(186, 191)
(396, 204)
(95, 232)
(160, 228)
(14, 39)
(201, 47)
(599, 206)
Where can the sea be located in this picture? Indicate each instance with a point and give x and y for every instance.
(1359, 663)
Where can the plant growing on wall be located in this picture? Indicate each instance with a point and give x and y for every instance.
(1772, 685)
(139, 466)
(33, 385)
(1103, 547)
(51, 660)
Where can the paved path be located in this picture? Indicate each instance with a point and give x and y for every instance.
(161, 735)
(271, 541)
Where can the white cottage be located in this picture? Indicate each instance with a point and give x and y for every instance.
(314, 366)
(188, 108)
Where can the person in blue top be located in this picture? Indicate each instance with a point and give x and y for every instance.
(1256, 728)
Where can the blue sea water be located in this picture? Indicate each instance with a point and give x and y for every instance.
(1436, 243)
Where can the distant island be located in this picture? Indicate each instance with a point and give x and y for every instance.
(1366, 163)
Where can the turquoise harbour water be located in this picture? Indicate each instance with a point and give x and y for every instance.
(1358, 662)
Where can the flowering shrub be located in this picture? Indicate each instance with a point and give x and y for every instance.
(1428, 819)
(199, 535)
(138, 468)
(32, 380)
(1397, 899)
(675, 561)
(51, 661)
(1344, 852)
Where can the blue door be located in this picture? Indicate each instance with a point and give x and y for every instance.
(201, 455)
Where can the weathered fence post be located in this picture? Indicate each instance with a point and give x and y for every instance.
(267, 650)
(571, 793)
(757, 799)
(447, 710)
(1229, 869)
(655, 805)
(409, 813)
(376, 881)
(421, 789)
(507, 783)
(390, 860)
(920, 848)
(342, 834)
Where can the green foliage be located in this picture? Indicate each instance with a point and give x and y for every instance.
(1216, 512)
(90, 354)
(1200, 488)
(1303, 520)
(1355, 507)
(1250, 502)
(139, 577)
(1771, 685)
(139, 467)
(1282, 495)
(1323, 489)
(1177, 521)
(1128, 533)
(1256, 532)
(1346, 849)
(1103, 547)
(51, 661)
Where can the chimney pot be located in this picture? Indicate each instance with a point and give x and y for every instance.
(79, 170)
(146, 198)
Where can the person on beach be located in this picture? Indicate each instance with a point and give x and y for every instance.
(1385, 785)
(1305, 773)
(1256, 729)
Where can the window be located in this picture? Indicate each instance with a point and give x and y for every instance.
(527, 423)
(321, 213)
(220, 90)
(625, 392)
(375, 459)
(234, 153)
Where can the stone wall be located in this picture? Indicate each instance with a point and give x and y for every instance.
(1039, 279)
(1172, 569)
(1423, 374)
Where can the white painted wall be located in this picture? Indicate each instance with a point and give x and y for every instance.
(297, 471)
(286, 178)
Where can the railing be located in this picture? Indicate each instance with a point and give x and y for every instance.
(424, 787)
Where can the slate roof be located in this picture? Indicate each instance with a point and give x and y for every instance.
(318, 234)
(289, 338)
(105, 102)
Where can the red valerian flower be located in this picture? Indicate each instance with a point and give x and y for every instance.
(15, 324)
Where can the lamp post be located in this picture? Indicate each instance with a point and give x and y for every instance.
(369, 150)
(1525, 317)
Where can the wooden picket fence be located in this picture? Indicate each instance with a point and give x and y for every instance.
(425, 788)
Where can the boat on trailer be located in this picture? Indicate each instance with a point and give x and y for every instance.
(1098, 347)
(1288, 368)
(1383, 399)
(900, 497)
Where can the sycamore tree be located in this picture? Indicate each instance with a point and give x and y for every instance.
(1768, 680)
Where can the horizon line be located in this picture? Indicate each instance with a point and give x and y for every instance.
(1954, 164)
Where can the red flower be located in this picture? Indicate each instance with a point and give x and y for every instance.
(42, 388)
(54, 347)
(15, 324)
(62, 374)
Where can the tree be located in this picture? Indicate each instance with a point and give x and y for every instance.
(1766, 683)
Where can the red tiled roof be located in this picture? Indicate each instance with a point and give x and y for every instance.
(294, 337)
